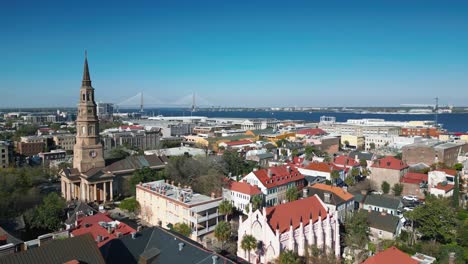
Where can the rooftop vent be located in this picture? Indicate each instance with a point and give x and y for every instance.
(215, 259)
(134, 235)
(181, 246)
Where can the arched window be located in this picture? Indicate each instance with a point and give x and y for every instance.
(90, 130)
(83, 129)
(84, 97)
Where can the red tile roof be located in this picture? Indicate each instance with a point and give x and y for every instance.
(448, 171)
(414, 178)
(390, 163)
(345, 161)
(445, 188)
(90, 224)
(239, 142)
(244, 188)
(322, 166)
(391, 256)
(279, 176)
(282, 215)
(311, 132)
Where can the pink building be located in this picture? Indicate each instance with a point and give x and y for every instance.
(290, 226)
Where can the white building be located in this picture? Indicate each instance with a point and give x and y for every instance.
(290, 226)
(257, 124)
(441, 182)
(240, 195)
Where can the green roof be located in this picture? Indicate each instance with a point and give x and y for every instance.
(385, 222)
(382, 201)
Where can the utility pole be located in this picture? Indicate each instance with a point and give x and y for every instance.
(436, 111)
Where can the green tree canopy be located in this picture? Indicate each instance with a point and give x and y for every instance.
(309, 152)
(385, 187)
(435, 220)
(357, 231)
(118, 153)
(363, 162)
(292, 194)
(458, 167)
(225, 208)
(289, 257)
(397, 189)
(182, 228)
(130, 204)
(248, 243)
(143, 175)
(257, 202)
(48, 215)
(223, 232)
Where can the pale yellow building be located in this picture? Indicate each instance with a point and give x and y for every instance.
(464, 138)
(65, 141)
(163, 203)
(197, 140)
(354, 141)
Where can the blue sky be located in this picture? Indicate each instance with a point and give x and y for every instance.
(236, 53)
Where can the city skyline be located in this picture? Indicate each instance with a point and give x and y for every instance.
(243, 54)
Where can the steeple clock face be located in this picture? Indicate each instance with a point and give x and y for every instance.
(92, 154)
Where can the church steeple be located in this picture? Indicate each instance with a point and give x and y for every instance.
(86, 82)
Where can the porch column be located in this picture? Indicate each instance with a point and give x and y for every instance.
(87, 192)
(95, 191)
(63, 189)
(69, 191)
(105, 191)
(111, 191)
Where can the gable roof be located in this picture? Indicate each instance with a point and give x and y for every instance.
(82, 208)
(361, 155)
(239, 142)
(136, 162)
(9, 237)
(323, 167)
(321, 188)
(244, 188)
(283, 215)
(390, 256)
(156, 241)
(380, 221)
(382, 201)
(311, 132)
(390, 163)
(446, 187)
(345, 161)
(280, 175)
(448, 171)
(81, 248)
(414, 178)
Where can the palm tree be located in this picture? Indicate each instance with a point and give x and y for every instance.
(335, 175)
(257, 202)
(225, 207)
(223, 232)
(248, 243)
(291, 194)
(288, 257)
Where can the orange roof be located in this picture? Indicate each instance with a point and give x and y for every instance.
(391, 256)
(283, 215)
(323, 167)
(311, 132)
(244, 188)
(340, 192)
(345, 161)
(279, 176)
(414, 178)
(391, 163)
(445, 188)
(448, 171)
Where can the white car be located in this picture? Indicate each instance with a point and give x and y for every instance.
(376, 192)
(408, 209)
(410, 198)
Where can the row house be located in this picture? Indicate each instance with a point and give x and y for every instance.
(441, 182)
(335, 198)
(240, 194)
(275, 181)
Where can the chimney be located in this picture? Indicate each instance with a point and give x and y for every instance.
(133, 235)
(98, 238)
(215, 259)
(452, 258)
(269, 173)
(3, 240)
(213, 195)
(109, 229)
(181, 246)
(305, 191)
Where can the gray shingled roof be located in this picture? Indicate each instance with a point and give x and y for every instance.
(10, 238)
(382, 201)
(82, 248)
(136, 162)
(361, 155)
(157, 242)
(80, 207)
(385, 222)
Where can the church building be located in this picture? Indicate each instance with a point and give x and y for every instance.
(90, 179)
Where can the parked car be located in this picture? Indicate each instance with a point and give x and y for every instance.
(410, 198)
(377, 192)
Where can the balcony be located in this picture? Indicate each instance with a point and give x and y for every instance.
(204, 231)
(203, 218)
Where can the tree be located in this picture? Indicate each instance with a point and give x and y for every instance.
(225, 208)
(143, 175)
(182, 228)
(346, 143)
(130, 204)
(355, 172)
(49, 214)
(327, 158)
(349, 180)
(314, 255)
(435, 220)
(357, 232)
(456, 192)
(118, 153)
(458, 167)
(257, 202)
(295, 153)
(247, 208)
(363, 163)
(309, 152)
(385, 187)
(248, 244)
(289, 257)
(397, 189)
(291, 194)
(372, 145)
(223, 232)
(335, 175)
(399, 156)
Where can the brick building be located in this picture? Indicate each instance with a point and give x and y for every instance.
(433, 152)
(387, 169)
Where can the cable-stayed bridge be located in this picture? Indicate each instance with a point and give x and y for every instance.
(142, 100)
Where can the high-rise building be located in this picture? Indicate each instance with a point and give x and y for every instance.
(105, 111)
